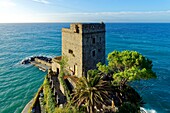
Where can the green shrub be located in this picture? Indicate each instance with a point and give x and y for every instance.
(63, 64)
(66, 90)
(67, 110)
(48, 97)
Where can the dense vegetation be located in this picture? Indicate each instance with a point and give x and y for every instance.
(48, 97)
(107, 88)
(127, 66)
(110, 83)
(91, 91)
(68, 109)
(63, 64)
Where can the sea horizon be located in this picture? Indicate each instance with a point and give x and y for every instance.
(87, 22)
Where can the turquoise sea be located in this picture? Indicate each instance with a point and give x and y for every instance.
(19, 83)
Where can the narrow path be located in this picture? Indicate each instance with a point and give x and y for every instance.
(56, 84)
(27, 107)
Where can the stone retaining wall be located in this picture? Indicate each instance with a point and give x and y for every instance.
(42, 62)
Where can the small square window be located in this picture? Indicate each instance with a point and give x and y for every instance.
(70, 51)
(76, 29)
(93, 41)
(93, 53)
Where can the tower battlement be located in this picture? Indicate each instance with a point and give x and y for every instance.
(85, 28)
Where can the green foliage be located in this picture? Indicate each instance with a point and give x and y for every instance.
(92, 73)
(68, 109)
(63, 65)
(48, 97)
(91, 91)
(103, 68)
(66, 90)
(124, 67)
(127, 66)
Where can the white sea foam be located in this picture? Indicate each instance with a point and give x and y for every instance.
(144, 110)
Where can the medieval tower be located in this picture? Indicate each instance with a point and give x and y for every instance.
(84, 46)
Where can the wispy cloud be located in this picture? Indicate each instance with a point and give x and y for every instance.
(6, 4)
(132, 13)
(116, 13)
(122, 16)
(42, 1)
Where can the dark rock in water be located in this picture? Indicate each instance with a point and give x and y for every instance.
(31, 59)
(27, 61)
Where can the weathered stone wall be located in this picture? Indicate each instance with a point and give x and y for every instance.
(90, 59)
(42, 62)
(55, 65)
(93, 45)
(72, 49)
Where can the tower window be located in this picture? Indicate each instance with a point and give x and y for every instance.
(76, 29)
(93, 53)
(93, 41)
(70, 51)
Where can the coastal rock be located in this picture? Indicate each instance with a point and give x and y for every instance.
(31, 59)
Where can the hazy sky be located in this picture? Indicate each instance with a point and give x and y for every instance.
(84, 11)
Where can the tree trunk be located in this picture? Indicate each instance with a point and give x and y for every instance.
(91, 109)
(88, 109)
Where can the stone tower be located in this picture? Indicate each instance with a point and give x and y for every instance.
(84, 46)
